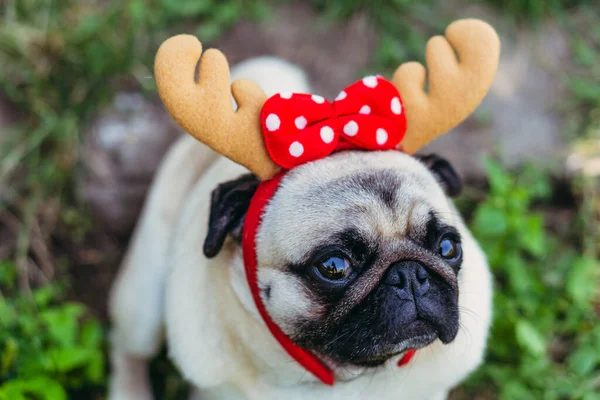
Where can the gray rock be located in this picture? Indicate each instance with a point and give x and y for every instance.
(122, 149)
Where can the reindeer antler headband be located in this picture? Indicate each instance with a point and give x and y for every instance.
(266, 135)
(198, 97)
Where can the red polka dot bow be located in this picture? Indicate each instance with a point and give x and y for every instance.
(299, 128)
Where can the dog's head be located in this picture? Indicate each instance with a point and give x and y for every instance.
(358, 254)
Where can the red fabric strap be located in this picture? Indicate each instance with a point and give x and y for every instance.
(263, 194)
(407, 357)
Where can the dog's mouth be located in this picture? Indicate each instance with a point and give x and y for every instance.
(422, 337)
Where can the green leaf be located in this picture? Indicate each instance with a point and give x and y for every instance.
(516, 390)
(28, 323)
(259, 11)
(137, 11)
(519, 276)
(584, 360)
(584, 53)
(41, 388)
(8, 274)
(500, 181)
(186, 8)
(532, 236)
(45, 295)
(583, 281)
(8, 314)
(517, 201)
(586, 90)
(95, 368)
(591, 396)
(62, 323)
(529, 338)
(226, 13)
(209, 30)
(65, 360)
(536, 181)
(8, 355)
(91, 334)
(490, 221)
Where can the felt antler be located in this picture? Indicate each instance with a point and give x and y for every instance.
(199, 100)
(456, 87)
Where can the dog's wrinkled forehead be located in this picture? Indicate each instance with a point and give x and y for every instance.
(380, 194)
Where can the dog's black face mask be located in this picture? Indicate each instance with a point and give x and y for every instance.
(411, 302)
(407, 290)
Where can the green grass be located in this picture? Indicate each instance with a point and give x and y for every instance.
(545, 340)
(49, 346)
(62, 60)
(534, 10)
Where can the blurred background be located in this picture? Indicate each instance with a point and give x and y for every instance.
(82, 132)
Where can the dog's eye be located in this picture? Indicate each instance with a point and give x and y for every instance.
(334, 268)
(449, 248)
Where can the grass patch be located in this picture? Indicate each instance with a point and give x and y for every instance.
(50, 348)
(63, 60)
(534, 10)
(545, 338)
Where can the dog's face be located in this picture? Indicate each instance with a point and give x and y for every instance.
(359, 254)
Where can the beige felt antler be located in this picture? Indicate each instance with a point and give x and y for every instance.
(200, 102)
(456, 87)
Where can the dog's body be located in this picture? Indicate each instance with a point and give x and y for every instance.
(213, 330)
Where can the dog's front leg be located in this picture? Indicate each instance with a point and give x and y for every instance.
(129, 377)
(440, 396)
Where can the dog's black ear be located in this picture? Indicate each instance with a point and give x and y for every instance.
(443, 172)
(228, 206)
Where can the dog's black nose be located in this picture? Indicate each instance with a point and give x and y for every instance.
(409, 277)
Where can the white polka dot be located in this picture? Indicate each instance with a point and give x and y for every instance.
(370, 81)
(366, 110)
(285, 95)
(351, 128)
(317, 99)
(300, 122)
(341, 96)
(273, 122)
(381, 136)
(396, 106)
(296, 149)
(327, 134)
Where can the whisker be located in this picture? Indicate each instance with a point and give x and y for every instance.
(476, 317)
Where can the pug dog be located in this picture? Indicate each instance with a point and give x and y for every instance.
(362, 258)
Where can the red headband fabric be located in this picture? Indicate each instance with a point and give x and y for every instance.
(261, 198)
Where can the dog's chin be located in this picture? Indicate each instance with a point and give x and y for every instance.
(415, 336)
(382, 353)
